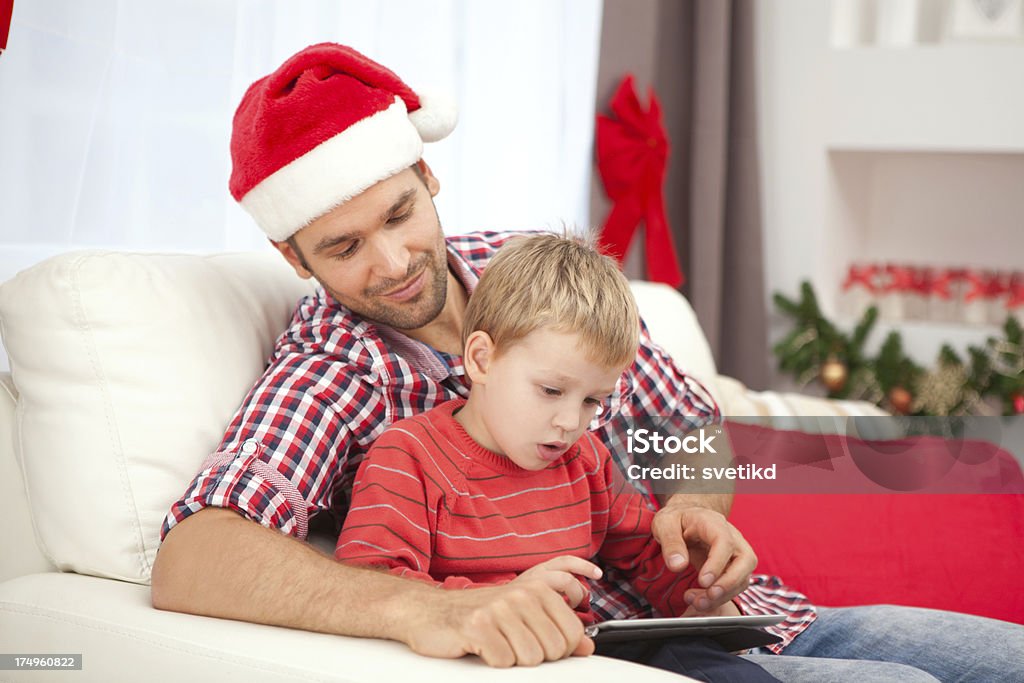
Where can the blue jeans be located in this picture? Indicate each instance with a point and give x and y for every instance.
(888, 643)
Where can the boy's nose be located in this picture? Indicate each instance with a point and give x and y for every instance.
(567, 419)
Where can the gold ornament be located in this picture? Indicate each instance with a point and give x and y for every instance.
(900, 400)
(834, 374)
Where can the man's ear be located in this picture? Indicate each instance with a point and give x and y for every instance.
(477, 356)
(429, 179)
(293, 258)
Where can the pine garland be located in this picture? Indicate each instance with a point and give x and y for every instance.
(811, 350)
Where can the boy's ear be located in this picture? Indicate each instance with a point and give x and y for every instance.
(477, 356)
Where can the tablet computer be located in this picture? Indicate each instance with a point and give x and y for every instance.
(733, 633)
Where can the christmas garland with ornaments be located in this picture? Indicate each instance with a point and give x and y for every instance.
(988, 381)
(907, 292)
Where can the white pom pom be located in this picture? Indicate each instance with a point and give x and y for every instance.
(436, 117)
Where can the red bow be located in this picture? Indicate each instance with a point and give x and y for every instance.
(950, 278)
(930, 283)
(901, 278)
(632, 151)
(862, 275)
(6, 10)
(985, 285)
(1016, 290)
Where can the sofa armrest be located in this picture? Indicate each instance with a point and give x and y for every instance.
(808, 413)
(21, 554)
(120, 636)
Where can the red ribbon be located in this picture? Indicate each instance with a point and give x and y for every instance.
(948, 278)
(975, 284)
(901, 279)
(6, 11)
(1016, 291)
(632, 152)
(862, 275)
(924, 279)
(985, 285)
(940, 285)
(932, 283)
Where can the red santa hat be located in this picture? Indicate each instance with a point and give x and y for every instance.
(325, 126)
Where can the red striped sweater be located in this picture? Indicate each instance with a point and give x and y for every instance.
(431, 503)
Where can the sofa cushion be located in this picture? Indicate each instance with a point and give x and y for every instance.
(952, 552)
(128, 368)
(952, 544)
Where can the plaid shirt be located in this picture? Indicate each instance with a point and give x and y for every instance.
(335, 382)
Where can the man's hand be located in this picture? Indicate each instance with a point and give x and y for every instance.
(559, 573)
(703, 538)
(211, 564)
(521, 623)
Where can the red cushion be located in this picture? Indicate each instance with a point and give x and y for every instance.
(952, 551)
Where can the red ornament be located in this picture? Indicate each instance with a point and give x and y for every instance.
(632, 152)
(1018, 404)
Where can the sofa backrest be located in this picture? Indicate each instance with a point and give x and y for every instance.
(21, 554)
(673, 325)
(129, 367)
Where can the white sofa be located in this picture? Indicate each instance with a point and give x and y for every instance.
(125, 369)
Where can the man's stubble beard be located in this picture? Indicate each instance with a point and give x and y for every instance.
(409, 315)
(432, 298)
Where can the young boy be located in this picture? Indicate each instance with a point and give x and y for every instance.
(508, 485)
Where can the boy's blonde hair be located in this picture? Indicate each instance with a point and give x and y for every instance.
(560, 282)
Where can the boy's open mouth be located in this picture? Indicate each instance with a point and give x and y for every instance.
(552, 450)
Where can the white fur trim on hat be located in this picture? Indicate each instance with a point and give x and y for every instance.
(334, 171)
(436, 117)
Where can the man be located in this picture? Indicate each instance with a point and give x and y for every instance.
(326, 155)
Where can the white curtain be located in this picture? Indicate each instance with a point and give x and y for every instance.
(115, 114)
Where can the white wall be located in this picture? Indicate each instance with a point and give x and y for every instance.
(792, 47)
(908, 154)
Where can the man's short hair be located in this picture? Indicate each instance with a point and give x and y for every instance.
(559, 282)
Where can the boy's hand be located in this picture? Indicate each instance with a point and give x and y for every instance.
(560, 574)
